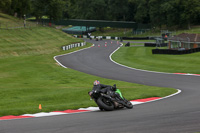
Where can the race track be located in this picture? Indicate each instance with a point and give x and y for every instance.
(177, 114)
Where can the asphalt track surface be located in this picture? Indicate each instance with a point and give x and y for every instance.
(177, 114)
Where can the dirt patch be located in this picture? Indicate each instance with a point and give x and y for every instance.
(57, 64)
(15, 54)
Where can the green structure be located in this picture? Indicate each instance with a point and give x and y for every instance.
(80, 30)
(97, 23)
(137, 28)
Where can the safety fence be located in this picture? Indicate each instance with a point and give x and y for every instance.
(68, 47)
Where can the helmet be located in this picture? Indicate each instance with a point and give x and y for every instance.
(96, 82)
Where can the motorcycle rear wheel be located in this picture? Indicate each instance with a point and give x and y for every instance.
(105, 103)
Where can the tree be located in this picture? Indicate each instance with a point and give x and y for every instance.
(98, 10)
(20, 7)
(87, 9)
(79, 9)
(132, 9)
(142, 14)
(191, 11)
(5, 5)
(155, 12)
(55, 9)
(117, 9)
(38, 9)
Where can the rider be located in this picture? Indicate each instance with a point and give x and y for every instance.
(106, 89)
(103, 88)
(111, 91)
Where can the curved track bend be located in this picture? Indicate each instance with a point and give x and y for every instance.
(177, 114)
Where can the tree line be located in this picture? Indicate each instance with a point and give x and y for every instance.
(158, 13)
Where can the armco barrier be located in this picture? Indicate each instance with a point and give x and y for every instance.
(68, 47)
(175, 52)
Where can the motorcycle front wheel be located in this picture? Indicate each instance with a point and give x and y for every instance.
(129, 105)
(105, 103)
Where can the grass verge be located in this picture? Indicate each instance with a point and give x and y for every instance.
(142, 58)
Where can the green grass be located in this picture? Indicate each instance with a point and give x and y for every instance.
(29, 75)
(35, 41)
(8, 19)
(142, 58)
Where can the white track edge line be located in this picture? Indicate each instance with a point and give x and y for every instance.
(68, 54)
(178, 91)
(142, 69)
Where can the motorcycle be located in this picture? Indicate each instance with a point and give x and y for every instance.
(110, 100)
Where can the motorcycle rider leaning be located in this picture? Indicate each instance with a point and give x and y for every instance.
(115, 96)
(106, 89)
(101, 87)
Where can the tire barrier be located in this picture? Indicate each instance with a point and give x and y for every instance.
(135, 38)
(150, 44)
(175, 52)
(68, 47)
(155, 45)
